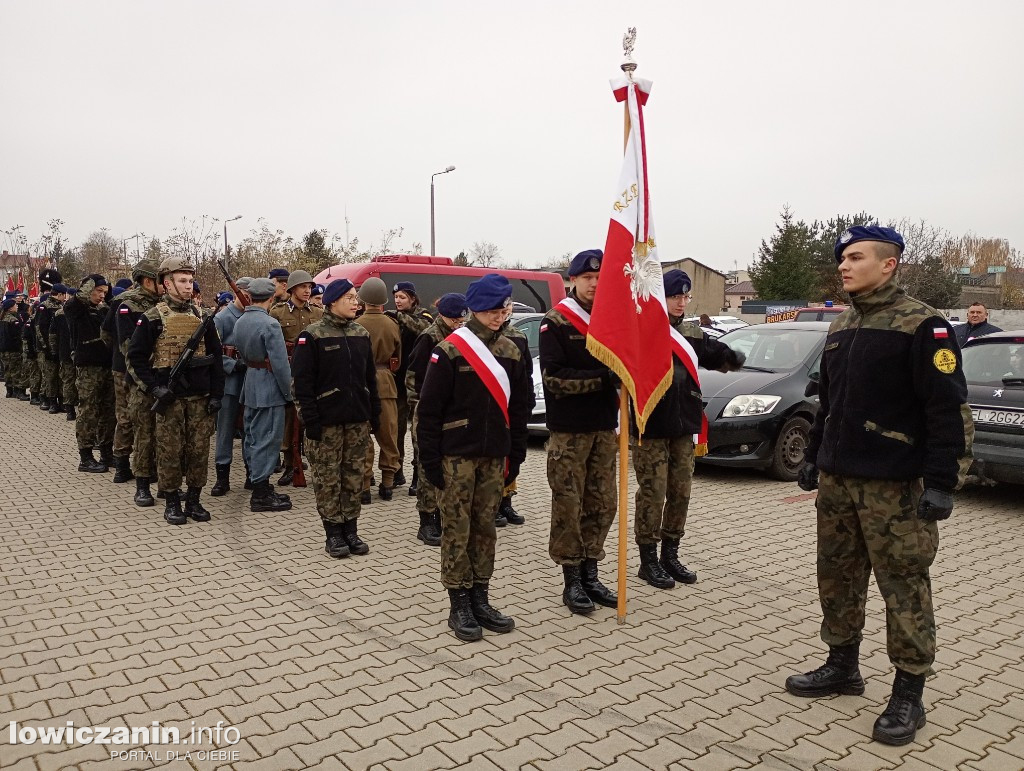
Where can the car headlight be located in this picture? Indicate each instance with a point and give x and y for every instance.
(754, 404)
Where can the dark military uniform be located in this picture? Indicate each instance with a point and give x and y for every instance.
(124, 429)
(30, 357)
(10, 349)
(49, 366)
(293, 320)
(93, 358)
(60, 341)
(387, 353)
(411, 324)
(335, 387)
(133, 305)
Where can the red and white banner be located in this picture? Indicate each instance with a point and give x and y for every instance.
(575, 313)
(486, 367)
(629, 329)
(684, 352)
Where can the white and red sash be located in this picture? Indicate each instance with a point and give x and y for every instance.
(487, 368)
(683, 351)
(574, 312)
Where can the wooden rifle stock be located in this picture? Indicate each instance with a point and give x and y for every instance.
(243, 298)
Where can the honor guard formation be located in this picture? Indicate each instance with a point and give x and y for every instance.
(324, 379)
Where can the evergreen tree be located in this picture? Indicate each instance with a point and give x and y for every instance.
(784, 269)
(825, 235)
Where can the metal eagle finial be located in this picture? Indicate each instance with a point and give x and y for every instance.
(628, 41)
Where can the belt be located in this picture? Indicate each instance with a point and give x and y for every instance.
(230, 351)
(265, 364)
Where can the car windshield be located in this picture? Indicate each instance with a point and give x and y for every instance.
(994, 362)
(768, 347)
(530, 327)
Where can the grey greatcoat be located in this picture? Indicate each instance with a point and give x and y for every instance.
(234, 377)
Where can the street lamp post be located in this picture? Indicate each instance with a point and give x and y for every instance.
(432, 246)
(238, 217)
(124, 250)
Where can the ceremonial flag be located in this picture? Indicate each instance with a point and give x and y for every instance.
(21, 280)
(10, 283)
(629, 329)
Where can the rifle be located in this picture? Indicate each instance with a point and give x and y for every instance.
(176, 376)
(242, 298)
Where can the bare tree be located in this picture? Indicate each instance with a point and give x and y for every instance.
(485, 254)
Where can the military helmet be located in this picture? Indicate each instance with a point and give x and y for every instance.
(48, 277)
(174, 265)
(297, 277)
(146, 269)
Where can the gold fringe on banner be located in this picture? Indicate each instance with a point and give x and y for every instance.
(607, 357)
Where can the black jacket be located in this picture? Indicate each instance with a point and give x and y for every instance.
(60, 336)
(10, 331)
(457, 414)
(422, 348)
(44, 319)
(109, 330)
(964, 332)
(334, 376)
(579, 391)
(893, 394)
(86, 322)
(28, 336)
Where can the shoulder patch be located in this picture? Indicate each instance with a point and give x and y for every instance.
(940, 333)
(944, 361)
(434, 357)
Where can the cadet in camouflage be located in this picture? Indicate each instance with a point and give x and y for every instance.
(412, 320)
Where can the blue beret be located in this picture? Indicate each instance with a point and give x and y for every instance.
(489, 292)
(336, 290)
(224, 298)
(60, 289)
(9, 303)
(9, 295)
(195, 287)
(676, 282)
(318, 289)
(404, 286)
(97, 280)
(867, 233)
(124, 283)
(278, 273)
(584, 262)
(453, 305)
(117, 290)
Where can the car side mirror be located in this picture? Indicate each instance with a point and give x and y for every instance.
(812, 388)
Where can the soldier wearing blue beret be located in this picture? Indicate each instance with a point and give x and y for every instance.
(280, 278)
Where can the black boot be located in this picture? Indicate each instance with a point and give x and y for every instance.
(143, 497)
(651, 570)
(56, 407)
(44, 403)
(414, 487)
(573, 596)
(839, 674)
(24, 395)
(336, 546)
(670, 561)
(193, 508)
(399, 478)
(172, 508)
(485, 615)
(366, 499)
(223, 485)
(10, 391)
(286, 477)
(596, 591)
(511, 516)
(72, 415)
(905, 714)
(426, 532)
(461, 619)
(34, 399)
(123, 469)
(499, 518)
(89, 463)
(355, 543)
(385, 493)
(265, 499)
(107, 455)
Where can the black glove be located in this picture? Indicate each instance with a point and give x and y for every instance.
(734, 360)
(164, 396)
(435, 476)
(513, 472)
(807, 478)
(314, 431)
(935, 505)
(212, 405)
(240, 367)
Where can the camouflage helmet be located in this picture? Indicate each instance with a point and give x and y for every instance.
(297, 277)
(146, 269)
(174, 265)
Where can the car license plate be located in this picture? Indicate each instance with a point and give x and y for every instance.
(997, 417)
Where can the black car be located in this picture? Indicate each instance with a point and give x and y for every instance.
(994, 368)
(761, 416)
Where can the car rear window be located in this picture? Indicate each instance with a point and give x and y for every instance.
(994, 363)
(773, 348)
(807, 316)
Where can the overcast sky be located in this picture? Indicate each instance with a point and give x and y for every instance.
(131, 115)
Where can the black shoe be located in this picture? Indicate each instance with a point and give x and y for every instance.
(905, 713)
(651, 570)
(670, 562)
(72, 415)
(499, 519)
(366, 498)
(336, 546)
(89, 463)
(399, 478)
(265, 499)
(172, 508)
(485, 615)
(373, 481)
(10, 392)
(386, 493)
(223, 484)
(34, 400)
(123, 469)
(596, 591)
(24, 396)
(839, 674)
(511, 516)
(355, 543)
(286, 477)
(414, 487)
(107, 455)
(461, 619)
(193, 508)
(143, 497)
(56, 408)
(44, 404)
(573, 596)
(426, 533)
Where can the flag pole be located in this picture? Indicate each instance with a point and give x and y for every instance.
(628, 66)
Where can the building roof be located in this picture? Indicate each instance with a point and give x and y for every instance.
(744, 287)
(669, 264)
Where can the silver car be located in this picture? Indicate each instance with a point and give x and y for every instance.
(529, 325)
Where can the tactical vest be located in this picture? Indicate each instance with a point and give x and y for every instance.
(178, 327)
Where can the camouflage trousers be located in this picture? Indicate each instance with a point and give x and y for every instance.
(338, 462)
(95, 424)
(470, 497)
(183, 444)
(69, 383)
(49, 375)
(581, 474)
(426, 493)
(30, 377)
(664, 472)
(388, 461)
(124, 432)
(872, 524)
(12, 368)
(143, 419)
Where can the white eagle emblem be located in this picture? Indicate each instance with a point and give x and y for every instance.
(644, 277)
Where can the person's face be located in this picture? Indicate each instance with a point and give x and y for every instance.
(403, 301)
(861, 269)
(491, 319)
(97, 294)
(346, 306)
(179, 285)
(316, 302)
(585, 285)
(301, 293)
(977, 314)
(280, 287)
(676, 304)
(239, 299)
(453, 323)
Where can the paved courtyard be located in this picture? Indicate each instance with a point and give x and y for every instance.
(112, 618)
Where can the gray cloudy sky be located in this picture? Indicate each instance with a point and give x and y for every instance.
(130, 115)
